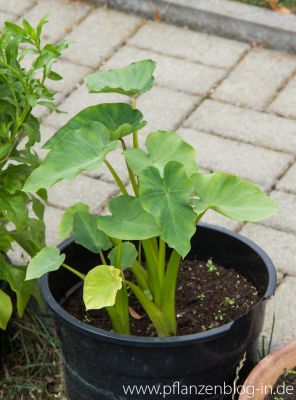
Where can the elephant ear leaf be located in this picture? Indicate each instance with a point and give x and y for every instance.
(5, 309)
(87, 233)
(132, 80)
(47, 260)
(162, 147)
(100, 287)
(129, 221)
(119, 118)
(167, 198)
(82, 150)
(234, 197)
(129, 255)
(65, 228)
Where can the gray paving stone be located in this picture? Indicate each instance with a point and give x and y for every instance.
(46, 133)
(4, 16)
(280, 246)
(186, 44)
(215, 218)
(99, 35)
(285, 313)
(256, 79)
(17, 7)
(285, 218)
(288, 181)
(249, 126)
(284, 103)
(52, 218)
(62, 15)
(257, 164)
(17, 255)
(78, 100)
(83, 189)
(171, 72)
(164, 109)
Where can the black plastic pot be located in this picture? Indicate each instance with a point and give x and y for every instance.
(99, 364)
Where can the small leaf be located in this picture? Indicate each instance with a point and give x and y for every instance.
(87, 233)
(162, 147)
(119, 118)
(83, 150)
(129, 221)
(14, 209)
(65, 228)
(100, 288)
(128, 256)
(132, 80)
(232, 196)
(5, 309)
(47, 260)
(167, 198)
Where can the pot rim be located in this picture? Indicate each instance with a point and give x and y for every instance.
(211, 334)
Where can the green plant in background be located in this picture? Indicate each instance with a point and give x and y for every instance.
(21, 89)
(149, 232)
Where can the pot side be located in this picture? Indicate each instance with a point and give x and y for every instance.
(98, 363)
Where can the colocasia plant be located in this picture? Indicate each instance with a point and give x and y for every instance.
(21, 89)
(141, 243)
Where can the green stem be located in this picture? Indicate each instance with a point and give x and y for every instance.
(103, 259)
(161, 261)
(130, 173)
(154, 313)
(135, 133)
(168, 305)
(116, 323)
(116, 177)
(152, 264)
(140, 275)
(74, 271)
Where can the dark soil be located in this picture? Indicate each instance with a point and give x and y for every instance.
(207, 296)
(285, 387)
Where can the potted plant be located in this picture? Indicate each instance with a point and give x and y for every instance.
(274, 378)
(176, 303)
(21, 89)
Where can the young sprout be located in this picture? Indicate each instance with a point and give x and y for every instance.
(201, 296)
(229, 301)
(212, 267)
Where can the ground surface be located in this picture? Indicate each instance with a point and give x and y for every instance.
(233, 102)
(291, 4)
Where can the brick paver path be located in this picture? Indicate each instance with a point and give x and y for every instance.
(236, 104)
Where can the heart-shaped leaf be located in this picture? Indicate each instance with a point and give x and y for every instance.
(119, 118)
(129, 221)
(129, 255)
(47, 260)
(162, 147)
(167, 198)
(66, 223)
(82, 150)
(100, 287)
(87, 233)
(132, 80)
(232, 196)
(5, 309)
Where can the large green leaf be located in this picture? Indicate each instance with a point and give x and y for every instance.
(119, 118)
(15, 277)
(14, 209)
(5, 309)
(101, 285)
(87, 233)
(232, 196)
(162, 147)
(132, 80)
(32, 238)
(129, 255)
(47, 260)
(65, 228)
(82, 150)
(129, 221)
(167, 198)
